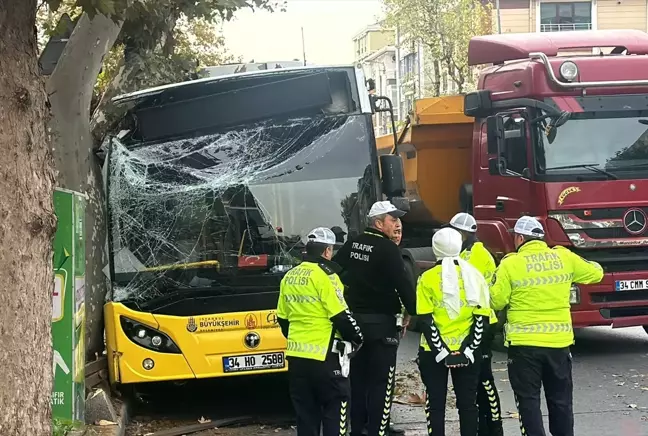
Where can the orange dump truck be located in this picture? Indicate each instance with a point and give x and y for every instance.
(436, 148)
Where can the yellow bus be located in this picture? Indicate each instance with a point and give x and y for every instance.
(211, 187)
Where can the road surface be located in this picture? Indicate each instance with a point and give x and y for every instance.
(610, 395)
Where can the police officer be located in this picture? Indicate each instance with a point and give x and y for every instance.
(453, 306)
(535, 282)
(377, 282)
(488, 402)
(339, 234)
(322, 335)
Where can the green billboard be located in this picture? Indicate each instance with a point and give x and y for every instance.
(68, 307)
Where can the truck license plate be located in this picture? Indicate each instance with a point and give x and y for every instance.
(631, 285)
(254, 362)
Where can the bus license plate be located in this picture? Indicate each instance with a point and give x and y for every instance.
(254, 362)
(631, 285)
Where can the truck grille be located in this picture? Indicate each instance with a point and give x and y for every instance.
(605, 228)
(617, 259)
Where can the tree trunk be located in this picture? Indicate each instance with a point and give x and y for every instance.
(147, 63)
(70, 88)
(437, 78)
(26, 229)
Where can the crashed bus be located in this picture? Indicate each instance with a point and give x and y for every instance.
(212, 186)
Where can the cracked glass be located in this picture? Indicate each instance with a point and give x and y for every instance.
(232, 206)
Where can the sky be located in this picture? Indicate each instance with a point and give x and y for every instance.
(329, 28)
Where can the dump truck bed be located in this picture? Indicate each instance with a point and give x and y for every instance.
(436, 151)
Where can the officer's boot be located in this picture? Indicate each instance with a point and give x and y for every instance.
(496, 429)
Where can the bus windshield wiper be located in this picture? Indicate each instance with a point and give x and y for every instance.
(591, 167)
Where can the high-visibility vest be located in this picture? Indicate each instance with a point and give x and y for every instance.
(480, 258)
(535, 284)
(309, 296)
(429, 300)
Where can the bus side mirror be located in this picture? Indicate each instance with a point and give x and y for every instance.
(393, 176)
(496, 135)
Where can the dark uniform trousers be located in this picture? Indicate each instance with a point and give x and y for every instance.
(373, 375)
(488, 401)
(464, 380)
(320, 396)
(531, 367)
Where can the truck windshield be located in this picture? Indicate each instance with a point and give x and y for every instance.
(615, 142)
(234, 206)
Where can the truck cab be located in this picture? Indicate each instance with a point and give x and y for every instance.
(560, 132)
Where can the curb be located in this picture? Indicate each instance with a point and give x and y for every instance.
(124, 418)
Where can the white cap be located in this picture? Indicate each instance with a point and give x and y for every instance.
(383, 207)
(464, 221)
(321, 235)
(446, 243)
(529, 226)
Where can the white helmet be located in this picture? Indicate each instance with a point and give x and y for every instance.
(446, 243)
(464, 221)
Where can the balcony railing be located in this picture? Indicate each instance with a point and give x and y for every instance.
(565, 27)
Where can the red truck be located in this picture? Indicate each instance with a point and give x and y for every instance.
(565, 139)
(558, 129)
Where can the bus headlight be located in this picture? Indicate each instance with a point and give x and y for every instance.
(574, 295)
(148, 337)
(568, 71)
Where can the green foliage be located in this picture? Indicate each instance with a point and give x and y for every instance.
(444, 28)
(61, 427)
(199, 39)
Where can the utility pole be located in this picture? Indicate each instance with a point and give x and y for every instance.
(304, 45)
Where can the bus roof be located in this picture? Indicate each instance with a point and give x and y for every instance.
(159, 89)
(496, 49)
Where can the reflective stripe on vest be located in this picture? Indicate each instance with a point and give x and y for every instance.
(450, 342)
(306, 348)
(301, 299)
(547, 327)
(537, 281)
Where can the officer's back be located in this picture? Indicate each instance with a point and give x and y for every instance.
(535, 284)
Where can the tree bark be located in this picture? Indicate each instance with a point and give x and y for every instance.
(147, 63)
(70, 89)
(27, 226)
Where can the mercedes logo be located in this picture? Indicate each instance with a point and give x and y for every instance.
(252, 340)
(634, 221)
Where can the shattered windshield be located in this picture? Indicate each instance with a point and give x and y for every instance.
(187, 213)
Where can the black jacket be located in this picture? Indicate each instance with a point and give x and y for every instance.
(374, 273)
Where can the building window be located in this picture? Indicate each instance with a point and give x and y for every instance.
(408, 65)
(558, 17)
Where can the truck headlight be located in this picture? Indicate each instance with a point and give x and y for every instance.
(569, 71)
(574, 295)
(148, 337)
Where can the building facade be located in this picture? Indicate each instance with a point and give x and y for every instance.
(375, 52)
(522, 16)
(415, 72)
